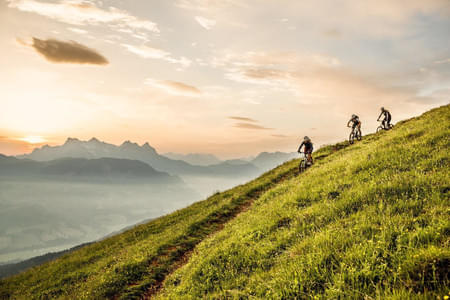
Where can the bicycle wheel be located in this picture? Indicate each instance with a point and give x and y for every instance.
(379, 128)
(351, 138)
(358, 135)
(302, 166)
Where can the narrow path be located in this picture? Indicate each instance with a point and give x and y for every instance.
(182, 251)
(176, 253)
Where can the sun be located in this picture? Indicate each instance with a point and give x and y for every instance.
(33, 139)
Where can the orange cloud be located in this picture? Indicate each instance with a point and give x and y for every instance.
(279, 135)
(251, 126)
(67, 52)
(242, 119)
(174, 87)
(156, 53)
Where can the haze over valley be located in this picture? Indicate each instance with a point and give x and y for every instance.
(57, 197)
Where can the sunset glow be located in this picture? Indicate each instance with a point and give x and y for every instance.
(33, 139)
(171, 73)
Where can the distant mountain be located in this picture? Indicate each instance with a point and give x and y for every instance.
(236, 162)
(263, 161)
(267, 161)
(96, 149)
(82, 168)
(199, 159)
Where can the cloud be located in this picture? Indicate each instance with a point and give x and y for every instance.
(84, 12)
(247, 123)
(77, 30)
(147, 52)
(174, 87)
(369, 18)
(205, 23)
(209, 5)
(251, 126)
(332, 33)
(442, 61)
(242, 119)
(155, 53)
(322, 82)
(279, 135)
(67, 52)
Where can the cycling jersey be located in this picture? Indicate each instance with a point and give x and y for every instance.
(355, 121)
(308, 147)
(386, 114)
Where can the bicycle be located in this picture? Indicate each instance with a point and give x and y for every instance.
(355, 134)
(304, 163)
(383, 126)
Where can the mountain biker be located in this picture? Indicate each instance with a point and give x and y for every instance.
(387, 118)
(308, 148)
(355, 122)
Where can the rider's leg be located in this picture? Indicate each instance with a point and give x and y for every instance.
(309, 157)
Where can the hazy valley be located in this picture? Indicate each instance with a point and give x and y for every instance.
(58, 197)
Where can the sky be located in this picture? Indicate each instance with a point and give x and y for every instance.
(228, 77)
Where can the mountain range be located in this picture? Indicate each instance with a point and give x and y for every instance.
(199, 159)
(82, 168)
(175, 164)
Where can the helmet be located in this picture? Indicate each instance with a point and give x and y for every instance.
(382, 108)
(306, 138)
(353, 116)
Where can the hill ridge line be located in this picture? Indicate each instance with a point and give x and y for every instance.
(179, 252)
(181, 249)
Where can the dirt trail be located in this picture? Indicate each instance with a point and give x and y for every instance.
(176, 253)
(215, 224)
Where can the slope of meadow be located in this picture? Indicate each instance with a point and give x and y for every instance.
(366, 221)
(370, 221)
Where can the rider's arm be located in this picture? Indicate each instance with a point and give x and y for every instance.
(380, 116)
(348, 123)
(301, 145)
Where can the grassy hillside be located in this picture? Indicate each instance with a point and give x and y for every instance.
(366, 221)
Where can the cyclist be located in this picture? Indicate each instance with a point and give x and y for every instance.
(387, 118)
(355, 122)
(308, 149)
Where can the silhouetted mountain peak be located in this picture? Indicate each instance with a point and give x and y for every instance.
(147, 146)
(94, 140)
(130, 145)
(71, 140)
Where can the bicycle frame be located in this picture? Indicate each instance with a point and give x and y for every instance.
(303, 162)
(382, 126)
(355, 134)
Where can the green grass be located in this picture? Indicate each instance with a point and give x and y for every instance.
(131, 263)
(370, 221)
(366, 221)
